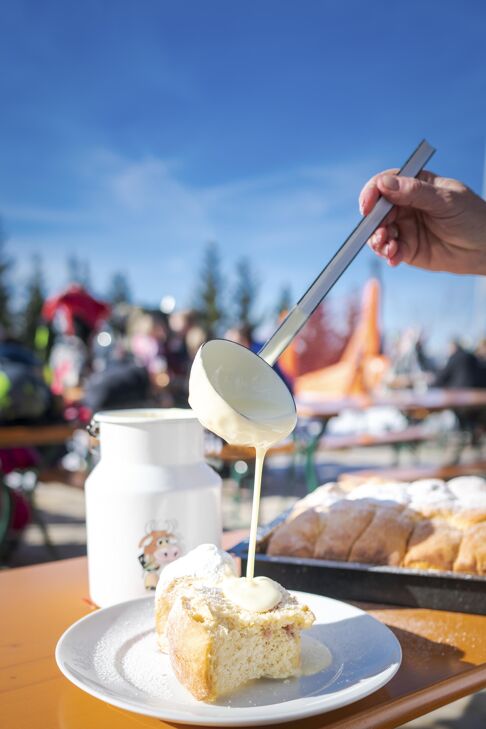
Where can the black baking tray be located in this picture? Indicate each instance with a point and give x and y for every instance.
(452, 591)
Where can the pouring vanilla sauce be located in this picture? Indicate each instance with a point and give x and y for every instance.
(236, 393)
(238, 396)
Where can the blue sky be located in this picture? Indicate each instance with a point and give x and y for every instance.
(134, 132)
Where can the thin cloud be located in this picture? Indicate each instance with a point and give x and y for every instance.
(141, 216)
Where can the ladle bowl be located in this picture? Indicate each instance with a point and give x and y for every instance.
(239, 396)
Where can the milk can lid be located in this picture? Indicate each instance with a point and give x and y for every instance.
(140, 415)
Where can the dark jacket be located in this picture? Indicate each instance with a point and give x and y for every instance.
(463, 369)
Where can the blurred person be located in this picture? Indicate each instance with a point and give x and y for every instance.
(75, 316)
(480, 353)
(179, 357)
(243, 335)
(180, 323)
(196, 336)
(25, 396)
(148, 341)
(462, 369)
(410, 366)
(68, 361)
(111, 342)
(121, 384)
(437, 223)
(149, 334)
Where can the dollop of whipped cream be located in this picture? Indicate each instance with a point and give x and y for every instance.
(206, 563)
(255, 594)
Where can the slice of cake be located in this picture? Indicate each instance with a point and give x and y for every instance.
(215, 647)
(205, 564)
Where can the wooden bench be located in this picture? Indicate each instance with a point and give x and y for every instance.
(24, 436)
(413, 435)
(409, 436)
(232, 455)
(58, 474)
(31, 436)
(476, 468)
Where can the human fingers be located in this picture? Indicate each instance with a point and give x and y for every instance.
(397, 253)
(392, 251)
(387, 244)
(383, 237)
(371, 191)
(414, 193)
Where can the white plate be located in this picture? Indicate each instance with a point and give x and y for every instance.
(112, 654)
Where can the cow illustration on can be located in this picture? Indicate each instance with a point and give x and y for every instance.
(160, 545)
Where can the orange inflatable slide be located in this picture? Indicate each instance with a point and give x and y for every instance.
(361, 366)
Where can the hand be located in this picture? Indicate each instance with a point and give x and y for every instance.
(437, 223)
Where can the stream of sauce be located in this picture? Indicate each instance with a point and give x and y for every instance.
(256, 411)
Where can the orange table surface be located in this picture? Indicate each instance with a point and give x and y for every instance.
(444, 658)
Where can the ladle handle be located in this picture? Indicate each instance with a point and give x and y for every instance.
(298, 316)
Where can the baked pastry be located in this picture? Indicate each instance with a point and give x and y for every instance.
(384, 541)
(427, 524)
(431, 498)
(468, 489)
(467, 517)
(205, 564)
(389, 492)
(323, 497)
(215, 647)
(433, 545)
(297, 537)
(472, 552)
(341, 526)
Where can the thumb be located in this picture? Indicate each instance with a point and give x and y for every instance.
(411, 192)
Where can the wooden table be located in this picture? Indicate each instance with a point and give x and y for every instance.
(444, 658)
(20, 436)
(413, 404)
(431, 401)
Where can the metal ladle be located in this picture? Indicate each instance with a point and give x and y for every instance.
(216, 375)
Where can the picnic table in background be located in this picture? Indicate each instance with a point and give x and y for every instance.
(414, 405)
(31, 436)
(46, 436)
(408, 401)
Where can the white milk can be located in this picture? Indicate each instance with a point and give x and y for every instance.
(150, 499)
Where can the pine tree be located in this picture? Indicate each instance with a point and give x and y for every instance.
(119, 290)
(78, 271)
(209, 292)
(34, 301)
(245, 296)
(6, 317)
(284, 300)
(85, 274)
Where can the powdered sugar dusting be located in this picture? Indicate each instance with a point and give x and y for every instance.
(128, 653)
(206, 562)
(146, 668)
